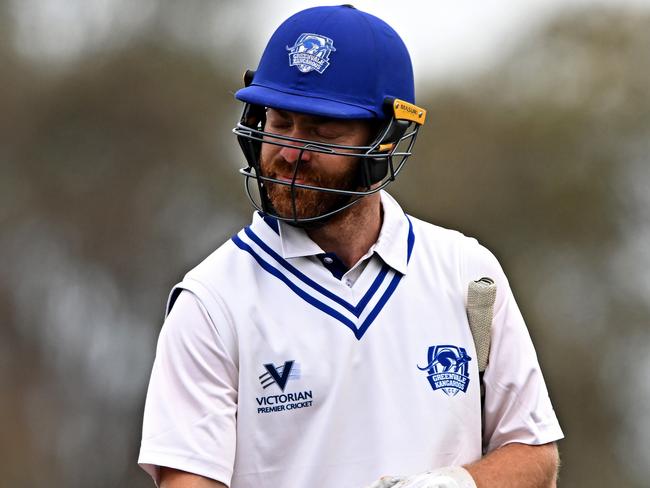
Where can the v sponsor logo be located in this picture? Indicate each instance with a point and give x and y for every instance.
(282, 402)
(279, 374)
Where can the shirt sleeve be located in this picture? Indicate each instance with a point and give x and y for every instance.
(517, 405)
(190, 411)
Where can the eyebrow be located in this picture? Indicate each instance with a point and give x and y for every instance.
(315, 119)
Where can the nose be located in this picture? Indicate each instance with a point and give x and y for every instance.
(293, 151)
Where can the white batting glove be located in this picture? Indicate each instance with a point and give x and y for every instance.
(449, 477)
(386, 482)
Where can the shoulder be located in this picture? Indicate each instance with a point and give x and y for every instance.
(459, 258)
(232, 260)
(216, 263)
(441, 240)
(440, 235)
(232, 267)
(208, 291)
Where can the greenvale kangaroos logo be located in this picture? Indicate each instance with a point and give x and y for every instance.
(447, 369)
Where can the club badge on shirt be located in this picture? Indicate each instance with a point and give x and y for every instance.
(447, 369)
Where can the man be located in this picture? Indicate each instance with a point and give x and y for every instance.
(327, 344)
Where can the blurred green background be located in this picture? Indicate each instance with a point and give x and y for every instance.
(118, 174)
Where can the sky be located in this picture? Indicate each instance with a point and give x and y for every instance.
(446, 39)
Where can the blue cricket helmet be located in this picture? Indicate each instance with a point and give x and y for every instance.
(336, 62)
(356, 61)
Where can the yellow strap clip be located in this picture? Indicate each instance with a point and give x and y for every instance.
(407, 111)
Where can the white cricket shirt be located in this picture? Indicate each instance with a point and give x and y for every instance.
(273, 370)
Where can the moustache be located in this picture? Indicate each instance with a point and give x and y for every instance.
(280, 169)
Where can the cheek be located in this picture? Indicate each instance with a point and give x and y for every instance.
(340, 167)
(267, 154)
(334, 166)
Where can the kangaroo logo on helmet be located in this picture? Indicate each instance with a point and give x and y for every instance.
(447, 369)
(311, 52)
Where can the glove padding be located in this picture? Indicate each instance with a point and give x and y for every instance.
(387, 482)
(448, 477)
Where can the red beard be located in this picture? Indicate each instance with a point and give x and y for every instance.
(308, 203)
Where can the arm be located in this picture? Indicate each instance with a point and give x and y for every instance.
(191, 406)
(517, 466)
(173, 478)
(520, 425)
(511, 466)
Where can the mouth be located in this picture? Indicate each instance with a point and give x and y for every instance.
(286, 179)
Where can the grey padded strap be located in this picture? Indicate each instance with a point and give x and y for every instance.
(481, 295)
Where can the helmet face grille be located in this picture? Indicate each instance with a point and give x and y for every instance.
(379, 163)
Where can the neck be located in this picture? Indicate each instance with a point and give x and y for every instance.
(350, 234)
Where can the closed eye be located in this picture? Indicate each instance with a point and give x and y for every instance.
(327, 133)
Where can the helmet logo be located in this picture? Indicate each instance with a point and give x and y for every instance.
(311, 52)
